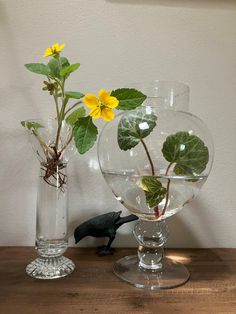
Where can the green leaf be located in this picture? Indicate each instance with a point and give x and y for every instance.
(38, 68)
(85, 134)
(129, 98)
(154, 191)
(135, 126)
(31, 125)
(75, 115)
(187, 151)
(64, 62)
(75, 95)
(69, 69)
(54, 68)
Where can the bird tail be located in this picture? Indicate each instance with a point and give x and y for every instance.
(126, 219)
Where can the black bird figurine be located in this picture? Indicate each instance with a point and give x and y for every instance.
(102, 226)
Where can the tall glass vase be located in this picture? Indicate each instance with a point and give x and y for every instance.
(52, 199)
(155, 159)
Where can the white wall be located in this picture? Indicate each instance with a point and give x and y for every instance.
(118, 42)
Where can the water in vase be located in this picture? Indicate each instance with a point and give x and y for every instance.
(128, 189)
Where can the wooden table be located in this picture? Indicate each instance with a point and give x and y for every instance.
(93, 288)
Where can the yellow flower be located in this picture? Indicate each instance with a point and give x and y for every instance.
(53, 50)
(101, 105)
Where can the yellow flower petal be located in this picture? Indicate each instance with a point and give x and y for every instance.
(111, 102)
(61, 47)
(107, 114)
(95, 112)
(53, 49)
(47, 52)
(102, 95)
(91, 101)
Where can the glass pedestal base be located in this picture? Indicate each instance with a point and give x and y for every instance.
(172, 274)
(50, 268)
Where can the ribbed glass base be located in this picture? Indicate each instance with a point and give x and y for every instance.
(50, 268)
(171, 274)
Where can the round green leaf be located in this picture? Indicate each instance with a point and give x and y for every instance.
(154, 191)
(187, 151)
(135, 126)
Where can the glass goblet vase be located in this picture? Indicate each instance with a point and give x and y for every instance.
(155, 159)
(53, 152)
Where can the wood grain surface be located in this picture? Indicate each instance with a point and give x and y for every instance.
(93, 288)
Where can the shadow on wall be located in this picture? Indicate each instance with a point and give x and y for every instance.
(186, 235)
(205, 4)
(180, 234)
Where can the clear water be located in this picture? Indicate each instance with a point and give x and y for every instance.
(126, 187)
(51, 248)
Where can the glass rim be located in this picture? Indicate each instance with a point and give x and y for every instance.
(173, 85)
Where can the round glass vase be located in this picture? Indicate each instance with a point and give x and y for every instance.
(155, 159)
(53, 149)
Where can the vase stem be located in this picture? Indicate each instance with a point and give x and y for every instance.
(151, 237)
(150, 269)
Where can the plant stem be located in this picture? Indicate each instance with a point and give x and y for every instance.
(62, 113)
(149, 157)
(54, 161)
(167, 190)
(57, 106)
(168, 168)
(77, 103)
(167, 197)
(63, 88)
(67, 143)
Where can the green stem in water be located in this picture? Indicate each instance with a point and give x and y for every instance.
(167, 190)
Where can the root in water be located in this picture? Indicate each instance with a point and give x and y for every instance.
(53, 167)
